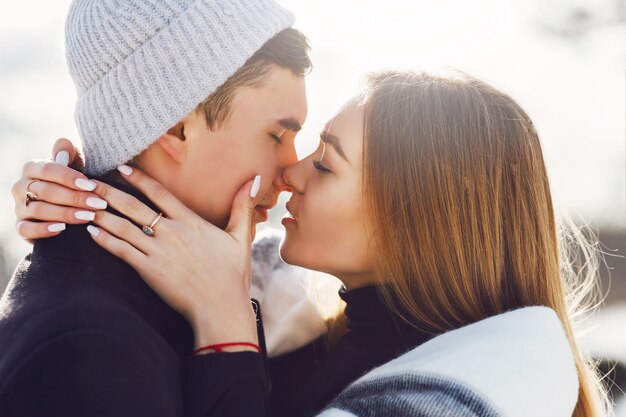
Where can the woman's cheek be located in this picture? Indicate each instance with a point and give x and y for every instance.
(351, 229)
(335, 231)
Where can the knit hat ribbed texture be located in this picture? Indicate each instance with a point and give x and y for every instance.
(140, 66)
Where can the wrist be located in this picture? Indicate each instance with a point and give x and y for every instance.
(228, 347)
(230, 326)
(245, 342)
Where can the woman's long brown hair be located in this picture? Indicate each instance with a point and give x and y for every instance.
(459, 205)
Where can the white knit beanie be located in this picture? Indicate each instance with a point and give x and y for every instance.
(140, 66)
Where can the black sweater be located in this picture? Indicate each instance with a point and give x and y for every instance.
(304, 381)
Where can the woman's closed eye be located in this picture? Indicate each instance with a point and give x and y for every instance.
(321, 168)
(317, 164)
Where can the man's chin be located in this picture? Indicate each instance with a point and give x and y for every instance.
(257, 219)
(253, 224)
(253, 230)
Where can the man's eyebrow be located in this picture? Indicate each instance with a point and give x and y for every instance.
(290, 124)
(333, 141)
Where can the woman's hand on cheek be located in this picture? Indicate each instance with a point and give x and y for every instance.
(201, 271)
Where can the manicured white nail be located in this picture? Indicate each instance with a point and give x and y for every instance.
(85, 215)
(84, 184)
(125, 169)
(255, 186)
(93, 230)
(96, 203)
(56, 227)
(62, 158)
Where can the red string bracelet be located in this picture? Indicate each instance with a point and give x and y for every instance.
(218, 347)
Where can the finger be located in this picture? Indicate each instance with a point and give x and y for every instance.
(118, 247)
(60, 195)
(65, 153)
(240, 221)
(58, 174)
(125, 203)
(79, 161)
(37, 230)
(40, 210)
(156, 192)
(126, 231)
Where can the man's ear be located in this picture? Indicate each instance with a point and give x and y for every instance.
(173, 142)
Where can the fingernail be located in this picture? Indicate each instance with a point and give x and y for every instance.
(85, 215)
(84, 184)
(125, 169)
(62, 158)
(96, 203)
(56, 227)
(255, 186)
(93, 231)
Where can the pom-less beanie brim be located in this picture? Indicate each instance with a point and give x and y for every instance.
(168, 75)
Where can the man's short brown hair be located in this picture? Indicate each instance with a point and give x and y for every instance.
(288, 49)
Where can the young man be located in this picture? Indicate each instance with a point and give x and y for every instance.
(202, 96)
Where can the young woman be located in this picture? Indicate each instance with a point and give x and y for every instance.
(428, 197)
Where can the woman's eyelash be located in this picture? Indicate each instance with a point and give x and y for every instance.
(321, 168)
(276, 138)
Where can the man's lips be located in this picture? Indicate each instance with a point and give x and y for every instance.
(262, 209)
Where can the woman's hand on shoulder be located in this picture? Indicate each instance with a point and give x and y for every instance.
(59, 194)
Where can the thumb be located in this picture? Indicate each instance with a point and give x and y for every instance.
(240, 221)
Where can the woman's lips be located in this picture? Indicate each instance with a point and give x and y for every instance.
(288, 220)
(289, 217)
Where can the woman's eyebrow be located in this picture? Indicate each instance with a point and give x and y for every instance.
(333, 141)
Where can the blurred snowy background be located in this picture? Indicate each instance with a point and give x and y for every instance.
(563, 60)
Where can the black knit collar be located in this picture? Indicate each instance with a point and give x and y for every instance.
(372, 324)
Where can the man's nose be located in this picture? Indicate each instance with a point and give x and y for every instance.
(287, 158)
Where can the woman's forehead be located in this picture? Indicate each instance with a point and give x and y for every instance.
(352, 110)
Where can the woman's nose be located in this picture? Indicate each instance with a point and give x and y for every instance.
(280, 184)
(290, 177)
